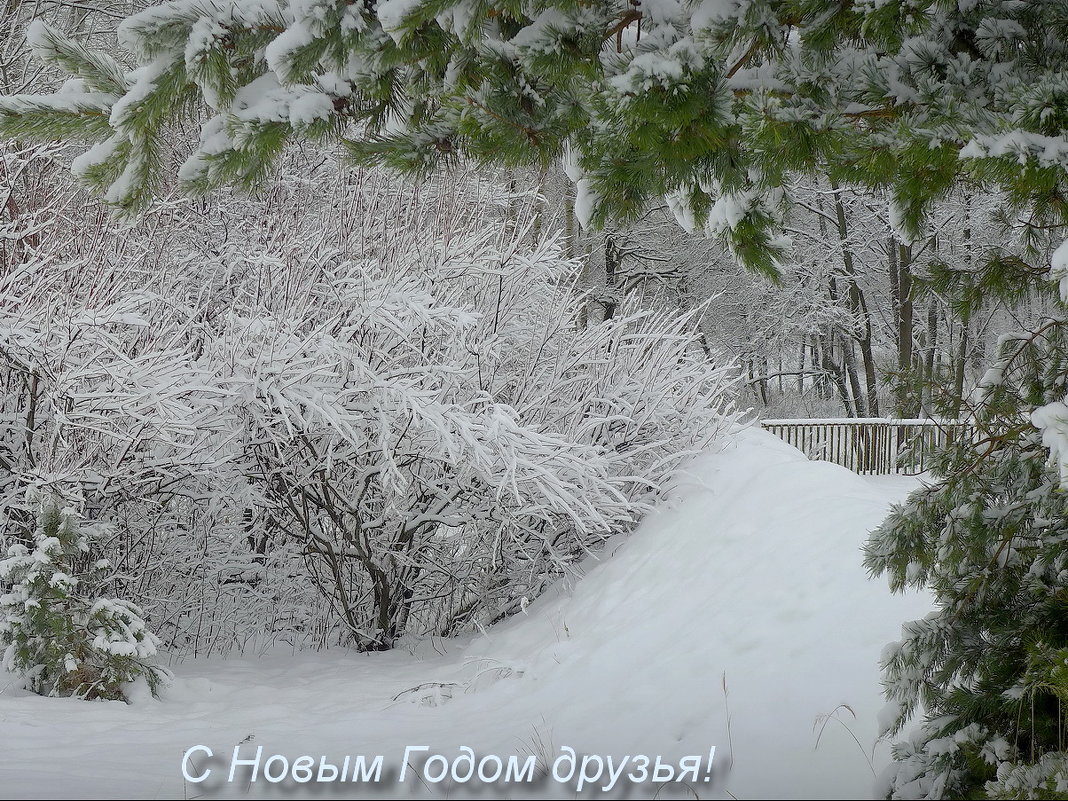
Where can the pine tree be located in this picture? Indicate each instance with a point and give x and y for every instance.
(990, 541)
(712, 105)
(57, 630)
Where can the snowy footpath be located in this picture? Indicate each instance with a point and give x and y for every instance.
(740, 619)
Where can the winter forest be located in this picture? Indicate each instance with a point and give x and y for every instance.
(534, 398)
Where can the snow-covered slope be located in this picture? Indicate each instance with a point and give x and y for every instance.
(740, 619)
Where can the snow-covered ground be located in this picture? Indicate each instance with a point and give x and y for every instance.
(739, 619)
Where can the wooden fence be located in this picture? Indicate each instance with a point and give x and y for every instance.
(879, 446)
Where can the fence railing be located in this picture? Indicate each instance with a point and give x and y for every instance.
(874, 445)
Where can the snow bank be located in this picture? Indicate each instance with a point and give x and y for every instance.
(755, 583)
(741, 619)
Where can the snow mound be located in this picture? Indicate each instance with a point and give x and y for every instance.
(739, 618)
(746, 601)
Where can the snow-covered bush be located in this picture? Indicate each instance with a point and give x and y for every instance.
(442, 439)
(339, 431)
(57, 629)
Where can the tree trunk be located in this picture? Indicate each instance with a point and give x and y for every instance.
(932, 346)
(901, 263)
(828, 363)
(858, 308)
(613, 260)
(849, 361)
(958, 370)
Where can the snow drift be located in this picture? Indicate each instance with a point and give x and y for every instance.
(740, 618)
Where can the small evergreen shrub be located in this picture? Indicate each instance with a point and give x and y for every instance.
(55, 629)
